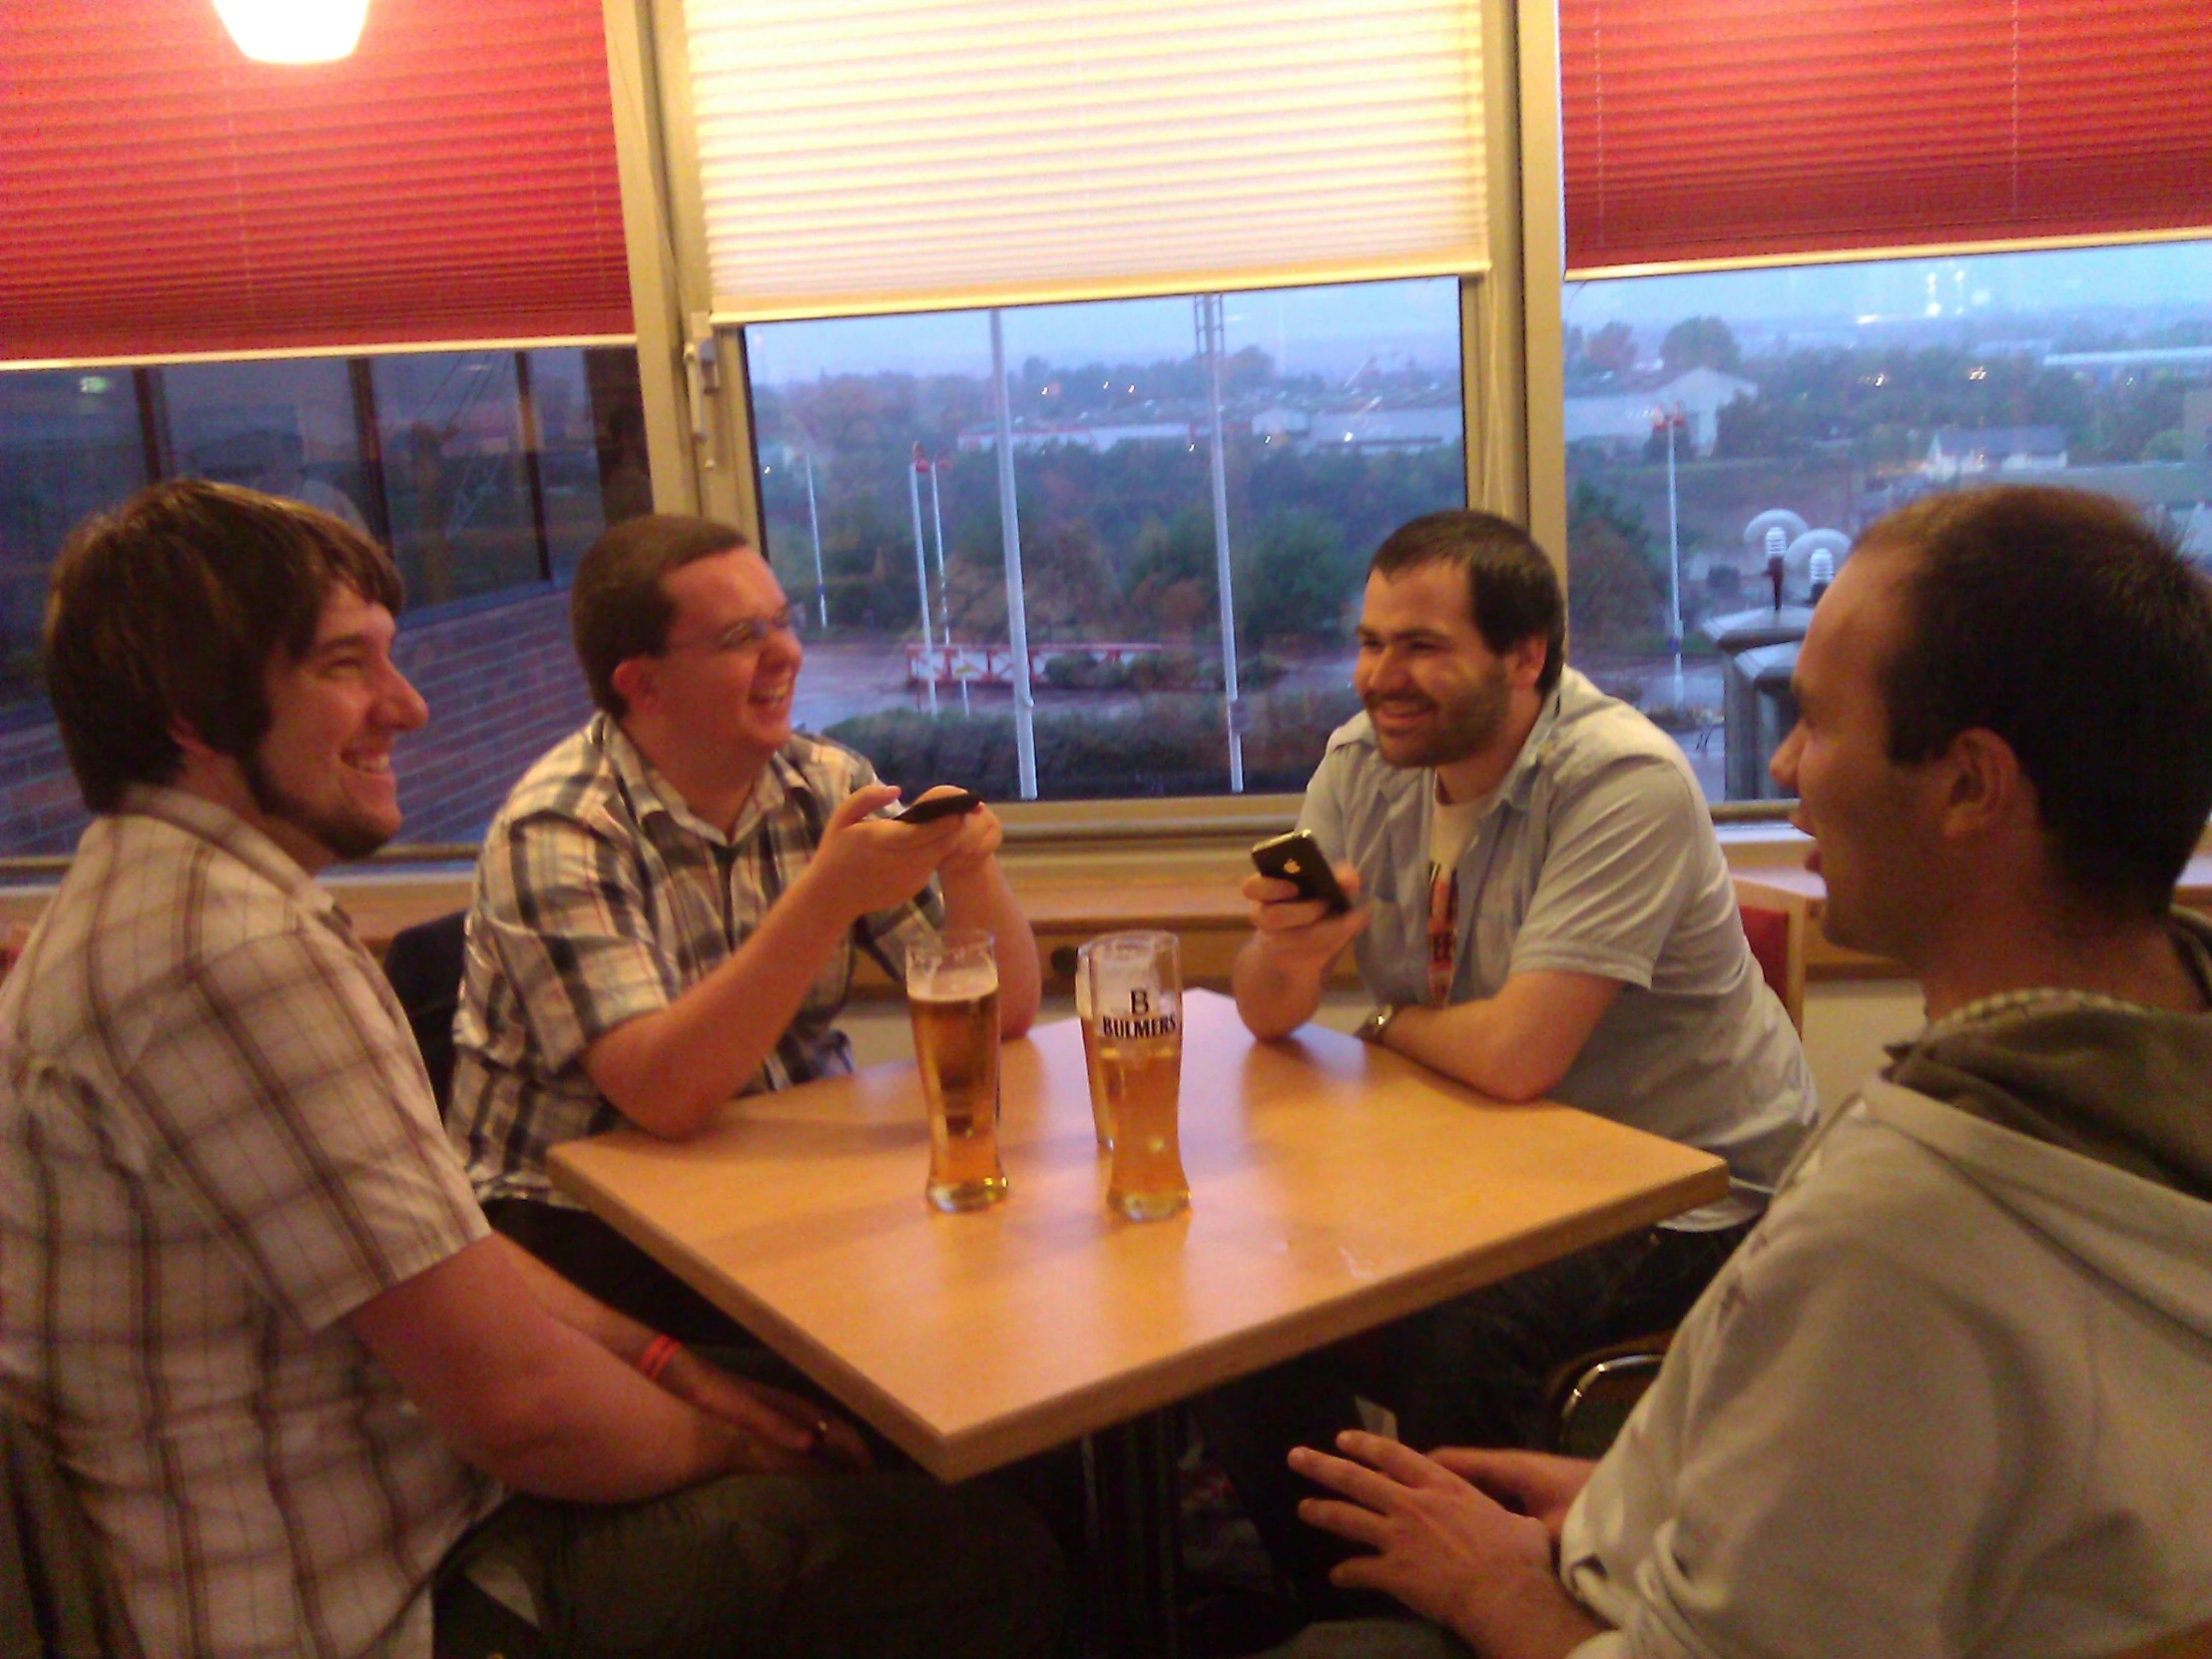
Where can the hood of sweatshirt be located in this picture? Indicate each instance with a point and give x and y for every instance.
(2127, 1086)
(2090, 1119)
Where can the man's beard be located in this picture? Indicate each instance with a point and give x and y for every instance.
(1462, 729)
(344, 838)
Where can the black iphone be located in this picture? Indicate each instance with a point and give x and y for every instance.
(935, 806)
(1297, 858)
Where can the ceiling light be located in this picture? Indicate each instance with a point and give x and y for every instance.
(293, 31)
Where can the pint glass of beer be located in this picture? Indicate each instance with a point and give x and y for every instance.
(952, 996)
(1136, 997)
(1102, 1112)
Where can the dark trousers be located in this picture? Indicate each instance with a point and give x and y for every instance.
(831, 1565)
(1468, 1373)
(597, 1260)
(600, 1262)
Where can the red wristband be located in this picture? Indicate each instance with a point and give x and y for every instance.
(656, 1357)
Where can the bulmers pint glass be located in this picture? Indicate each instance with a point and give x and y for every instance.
(1102, 1113)
(1136, 996)
(952, 998)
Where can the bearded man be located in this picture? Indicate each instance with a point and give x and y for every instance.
(1541, 909)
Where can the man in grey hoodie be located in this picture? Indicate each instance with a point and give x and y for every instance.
(1950, 1396)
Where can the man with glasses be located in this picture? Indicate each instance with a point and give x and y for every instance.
(670, 906)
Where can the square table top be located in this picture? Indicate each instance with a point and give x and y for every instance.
(1333, 1187)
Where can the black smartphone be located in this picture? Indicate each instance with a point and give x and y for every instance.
(928, 811)
(1297, 858)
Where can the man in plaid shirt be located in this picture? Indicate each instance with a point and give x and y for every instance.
(670, 906)
(244, 1293)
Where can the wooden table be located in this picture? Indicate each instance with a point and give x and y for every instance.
(1333, 1187)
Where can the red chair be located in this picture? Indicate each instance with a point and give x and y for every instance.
(1776, 921)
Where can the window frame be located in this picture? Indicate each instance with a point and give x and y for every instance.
(693, 377)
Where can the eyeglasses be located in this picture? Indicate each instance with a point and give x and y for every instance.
(742, 637)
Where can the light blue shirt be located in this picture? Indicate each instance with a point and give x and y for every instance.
(1597, 856)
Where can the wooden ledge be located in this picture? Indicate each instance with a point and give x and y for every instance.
(1199, 903)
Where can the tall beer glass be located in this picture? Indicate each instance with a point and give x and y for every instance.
(952, 996)
(1102, 1112)
(1136, 995)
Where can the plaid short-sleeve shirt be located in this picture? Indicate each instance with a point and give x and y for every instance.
(216, 1140)
(601, 896)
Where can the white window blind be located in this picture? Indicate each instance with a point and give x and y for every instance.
(860, 156)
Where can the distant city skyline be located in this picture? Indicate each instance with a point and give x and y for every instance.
(1333, 332)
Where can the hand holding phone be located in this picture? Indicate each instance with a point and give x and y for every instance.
(932, 808)
(1297, 858)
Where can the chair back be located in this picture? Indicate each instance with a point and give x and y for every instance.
(1777, 923)
(425, 965)
(1587, 1399)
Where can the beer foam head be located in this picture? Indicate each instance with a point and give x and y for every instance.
(951, 981)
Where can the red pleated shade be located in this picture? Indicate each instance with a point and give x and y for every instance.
(1716, 128)
(160, 195)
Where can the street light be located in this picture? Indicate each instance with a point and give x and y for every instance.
(922, 576)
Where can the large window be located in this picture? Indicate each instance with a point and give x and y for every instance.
(1728, 434)
(878, 445)
(487, 472)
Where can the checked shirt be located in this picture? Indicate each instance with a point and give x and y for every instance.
(601, 896)
(216, 1141)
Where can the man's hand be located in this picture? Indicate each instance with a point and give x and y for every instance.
(873, 863)
(1292, 929)
(1279, 971)
(1537, 1484)
(974, 846)
(785, 1432)
(1442, 1547)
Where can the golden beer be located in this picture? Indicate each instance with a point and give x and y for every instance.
(1144, 1084)
(955, 1008)
(1133, 1046)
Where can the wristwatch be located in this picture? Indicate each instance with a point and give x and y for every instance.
(1370, 1029)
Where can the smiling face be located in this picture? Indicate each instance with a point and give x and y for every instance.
(321, 777)
(1871, 820)
(718, 695)
(1437, 695)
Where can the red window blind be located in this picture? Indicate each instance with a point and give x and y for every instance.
(1714, 129)
(160, 195)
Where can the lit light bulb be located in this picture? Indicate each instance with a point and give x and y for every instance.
(293, 31)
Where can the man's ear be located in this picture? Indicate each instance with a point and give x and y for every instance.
(1982, 791)
(1524, 663)
(194, 747)
(636, 683)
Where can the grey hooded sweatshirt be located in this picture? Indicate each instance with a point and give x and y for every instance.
(1954, 1395)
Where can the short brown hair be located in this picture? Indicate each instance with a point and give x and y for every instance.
(618, 608)
(170, 609)
(1512, 591)
(2065, 623)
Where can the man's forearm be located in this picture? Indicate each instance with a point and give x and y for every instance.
(981, 897)
(594, 1430)
(1515, 1045)
(1523, 1615)
(1462, 1041)
(1276, 994)
(582, 1313)
(667, 1071)
(524, 1395)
